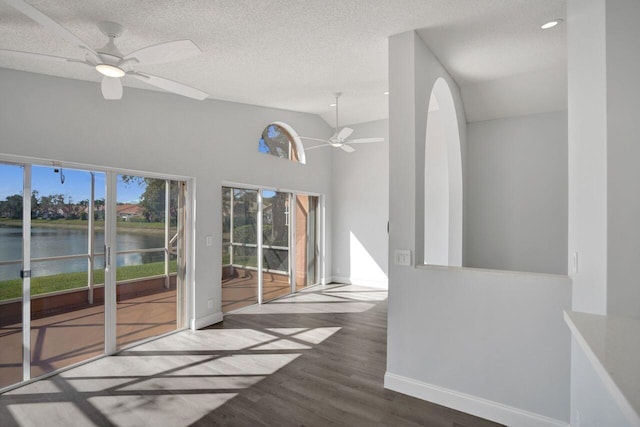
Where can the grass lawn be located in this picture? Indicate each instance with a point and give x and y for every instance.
(58, 282)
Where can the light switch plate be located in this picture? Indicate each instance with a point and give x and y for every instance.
(402, 257)
(209, 240)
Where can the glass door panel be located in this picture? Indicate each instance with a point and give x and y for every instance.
(239, 248)
(306, 256)
(275, 244)
(145, 293)
(10, 281)
(67, 323)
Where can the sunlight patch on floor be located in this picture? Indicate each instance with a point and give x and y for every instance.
(25, 415)
(132, 410)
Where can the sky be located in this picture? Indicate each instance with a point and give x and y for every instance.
(77, 184)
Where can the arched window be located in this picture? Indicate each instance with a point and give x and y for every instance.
(442, 180)
(281, 140)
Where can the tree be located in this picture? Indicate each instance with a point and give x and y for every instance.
(35, 204)
(11, 207)
(153, 198)
(278, 234)
(52, 206)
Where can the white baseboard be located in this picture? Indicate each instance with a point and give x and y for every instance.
(381, 284)
(209, 320)
(493, 411)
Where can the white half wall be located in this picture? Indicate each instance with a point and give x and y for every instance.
(492, 336)
(360, 189)
(517, 195)
(148, 131)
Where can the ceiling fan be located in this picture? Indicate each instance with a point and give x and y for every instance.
(109, 61)
(340, 138)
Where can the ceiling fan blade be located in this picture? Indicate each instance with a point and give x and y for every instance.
(171, 86)
(315, 139)
(48, 23)
(365, 140)
(111, 88)
(30, 55)
(316, 146)
(347, 148)
(165, 52)
(344, 134)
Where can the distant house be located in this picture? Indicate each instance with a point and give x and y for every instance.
(127, 211)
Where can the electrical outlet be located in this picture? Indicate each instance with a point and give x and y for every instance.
(208, 240)
(210, 303)
(402, 257)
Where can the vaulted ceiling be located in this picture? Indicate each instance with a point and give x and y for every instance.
(295, 54)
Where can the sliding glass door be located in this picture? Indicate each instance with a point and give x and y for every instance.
(239, 248)
(306, 241)
(66, 320)
(11, 302)
(270, 232)
(275, 244)
(62, 297)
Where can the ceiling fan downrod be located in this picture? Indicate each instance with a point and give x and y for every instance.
(337, 94)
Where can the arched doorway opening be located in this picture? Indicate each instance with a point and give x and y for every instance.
(443, 180)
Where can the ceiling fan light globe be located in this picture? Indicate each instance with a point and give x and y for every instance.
(110, 70)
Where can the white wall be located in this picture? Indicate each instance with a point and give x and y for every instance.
(604, 103)
(486, 342)
(212, 141)
(516, 198)
(604, 206)
(587, 129)
(526, 94)
(436, 198)
(623, 156)
(360, 189)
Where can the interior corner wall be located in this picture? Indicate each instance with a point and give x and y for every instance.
(516, 198)
(485, 342)
(148, 131)
(360, 189)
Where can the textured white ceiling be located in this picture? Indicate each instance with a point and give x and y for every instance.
(294, 54)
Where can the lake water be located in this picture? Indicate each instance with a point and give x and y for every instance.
(48, 242)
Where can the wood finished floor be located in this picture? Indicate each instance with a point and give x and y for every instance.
(316, 358)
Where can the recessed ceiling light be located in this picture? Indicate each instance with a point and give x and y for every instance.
(551, 24)
(332, 105)
(386, 93)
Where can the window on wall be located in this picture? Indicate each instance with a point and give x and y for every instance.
(281, 140)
